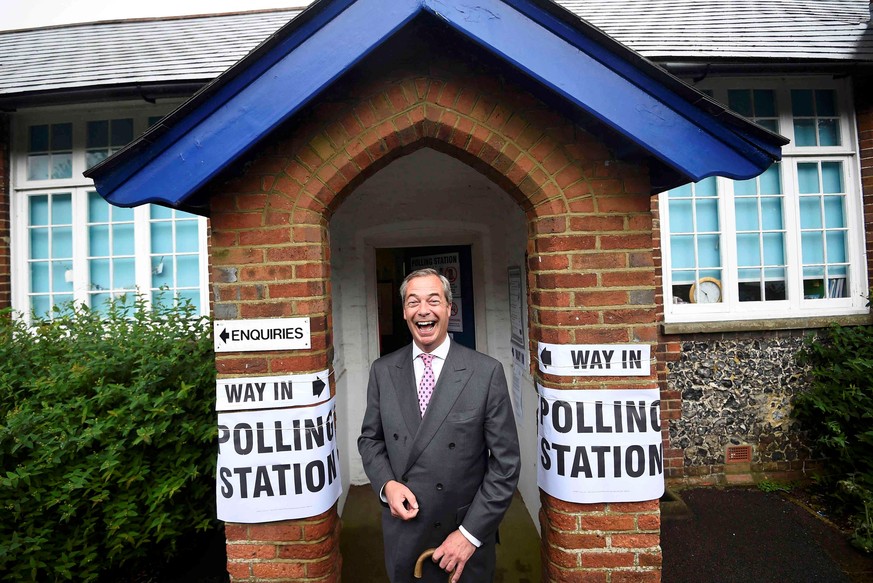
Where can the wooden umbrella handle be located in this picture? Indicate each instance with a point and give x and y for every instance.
(420, 563)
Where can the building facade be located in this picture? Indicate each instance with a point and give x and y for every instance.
(406, 157)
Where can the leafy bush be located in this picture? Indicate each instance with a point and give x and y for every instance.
(107, 439)
(837, 411)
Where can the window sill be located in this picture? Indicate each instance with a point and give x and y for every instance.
(769, 324)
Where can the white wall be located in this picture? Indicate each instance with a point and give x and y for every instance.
(425, 198)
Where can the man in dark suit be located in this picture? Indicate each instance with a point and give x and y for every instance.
(439, 444)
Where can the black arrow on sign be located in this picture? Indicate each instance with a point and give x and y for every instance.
(546, 357)
(224, 335)
(317, 387)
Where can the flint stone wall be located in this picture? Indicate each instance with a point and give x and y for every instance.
(739, 391)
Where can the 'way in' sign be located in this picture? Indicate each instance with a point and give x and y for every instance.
(595, 359)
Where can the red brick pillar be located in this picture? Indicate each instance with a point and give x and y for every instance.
(864, 113)
(266, 264)
(5, 225)
(592, 281)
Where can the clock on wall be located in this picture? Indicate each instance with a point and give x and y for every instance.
(706, 290)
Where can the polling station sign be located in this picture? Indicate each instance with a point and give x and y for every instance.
(278, 464)
(608, 360)
(236, 394)
(600, 446)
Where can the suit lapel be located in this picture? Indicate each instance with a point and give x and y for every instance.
(403, 377)
(452, 381)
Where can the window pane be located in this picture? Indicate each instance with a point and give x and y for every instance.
(708, 251)
(97, 134)
(122, 239)
(39, 210)
(160, 212)
(62, 243)
(682, 251)
(162, 272)
(707, 216)
(62, 136)
(771, 212)
(825, 103)
(813, 247)
(771, 180)
(38, 167)
(62, 166)
(748, 250)
(774, 249)
(98, 209)
(807, 177)
(740, 100)
(810, 213)
(745, 187)
(836, 246)
(122, 214)
(802, 103)
(832, 177)
(765, 103)
(124, 274)
(40, 280)
(98, 240)
(833, 209)
(162, 237)
(122, 132)
(804, 132)
(187, 236)
(747, 214)
(39, 243)
(828, 132)
(706, 187)
(39, 139)
(188, 272)
(101, 278)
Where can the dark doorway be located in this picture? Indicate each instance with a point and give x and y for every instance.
(392, 265)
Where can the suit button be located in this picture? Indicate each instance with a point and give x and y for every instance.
(405, 479)
(437, 524)
(396, 437)
(452, 445)
(439, 487)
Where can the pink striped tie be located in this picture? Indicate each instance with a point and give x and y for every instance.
(428, 381)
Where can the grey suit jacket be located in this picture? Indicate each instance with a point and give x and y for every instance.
(461, 460)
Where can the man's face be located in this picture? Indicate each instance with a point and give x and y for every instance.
(426, 312)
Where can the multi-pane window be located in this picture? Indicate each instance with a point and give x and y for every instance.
(72, 245)
(786, 243)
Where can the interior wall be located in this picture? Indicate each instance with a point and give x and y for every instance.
(425, 198)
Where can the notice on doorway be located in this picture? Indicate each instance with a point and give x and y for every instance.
(448, 265)
(278, 464)
(600, 445)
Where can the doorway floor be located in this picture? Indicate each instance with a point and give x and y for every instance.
(518, 554)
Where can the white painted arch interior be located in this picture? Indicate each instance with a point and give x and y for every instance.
(426, 198)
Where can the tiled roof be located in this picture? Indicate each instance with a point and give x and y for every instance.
(200, 48)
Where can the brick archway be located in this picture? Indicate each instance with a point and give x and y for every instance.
(591, 277)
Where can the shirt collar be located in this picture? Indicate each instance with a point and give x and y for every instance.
(441, 351)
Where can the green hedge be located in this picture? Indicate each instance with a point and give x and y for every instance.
(837, 412)
(107, 439)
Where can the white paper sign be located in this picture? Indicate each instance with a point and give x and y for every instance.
(600, 446)
(590, 360)
(261, 334)
(247, 393)
(279, 464)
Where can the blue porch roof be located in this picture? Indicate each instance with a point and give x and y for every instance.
(687, 136)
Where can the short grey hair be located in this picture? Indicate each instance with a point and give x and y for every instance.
(427, 271)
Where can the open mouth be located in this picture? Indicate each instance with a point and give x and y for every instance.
(426, 326)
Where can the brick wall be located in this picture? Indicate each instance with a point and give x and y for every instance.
(591, 275)
(5, 226)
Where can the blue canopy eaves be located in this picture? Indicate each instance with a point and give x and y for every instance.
(691, 136)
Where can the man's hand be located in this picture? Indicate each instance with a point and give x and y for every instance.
(401, 500)
(453, 554)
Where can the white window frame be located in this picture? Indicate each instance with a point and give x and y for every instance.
(794, 306)
(79, 187)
